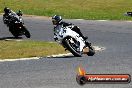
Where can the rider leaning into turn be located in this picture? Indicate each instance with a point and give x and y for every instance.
(8, 14)
(57, 21)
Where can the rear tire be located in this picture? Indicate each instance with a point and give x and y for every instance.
(71, 49)
(91, 51)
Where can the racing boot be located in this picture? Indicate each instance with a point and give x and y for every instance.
(84, 37)
(77, 30)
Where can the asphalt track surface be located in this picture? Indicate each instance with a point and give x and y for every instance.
(115, 36)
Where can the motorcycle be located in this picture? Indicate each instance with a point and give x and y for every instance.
(128, 14)
(73, 42)
(17, 27)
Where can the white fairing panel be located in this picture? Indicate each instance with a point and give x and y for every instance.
(63, 32)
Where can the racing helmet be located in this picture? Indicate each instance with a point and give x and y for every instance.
(56, 19)
(7, 10)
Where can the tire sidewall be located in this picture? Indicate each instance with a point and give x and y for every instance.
(71, 49)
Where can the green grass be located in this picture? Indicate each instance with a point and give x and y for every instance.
(21, 49)
(84, 9)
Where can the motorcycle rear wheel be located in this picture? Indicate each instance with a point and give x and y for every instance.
(13, 32)
(91, 51)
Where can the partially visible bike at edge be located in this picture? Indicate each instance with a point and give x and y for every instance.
(17, 27)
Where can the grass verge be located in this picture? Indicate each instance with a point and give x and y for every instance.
(83, 9)
(21, 49)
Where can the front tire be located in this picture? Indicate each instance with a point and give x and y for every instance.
(26, 32)
(69, 46)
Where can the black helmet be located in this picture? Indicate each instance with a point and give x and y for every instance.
(7, 10)
(56, 19)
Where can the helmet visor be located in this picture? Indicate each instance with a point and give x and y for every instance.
(54, 22)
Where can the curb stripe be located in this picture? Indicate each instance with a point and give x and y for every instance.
(20, 59)
(97, 48)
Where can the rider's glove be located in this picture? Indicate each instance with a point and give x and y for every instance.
(55, 39)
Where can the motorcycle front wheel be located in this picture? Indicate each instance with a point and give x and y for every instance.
(72, 47)
(26, 32)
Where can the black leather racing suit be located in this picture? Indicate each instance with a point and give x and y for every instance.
(8, 16)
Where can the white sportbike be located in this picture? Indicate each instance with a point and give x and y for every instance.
(73, 42)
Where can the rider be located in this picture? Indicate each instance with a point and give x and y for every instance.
(57, 21)
(8, 14)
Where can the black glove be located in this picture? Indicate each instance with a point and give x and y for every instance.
(55, 39)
